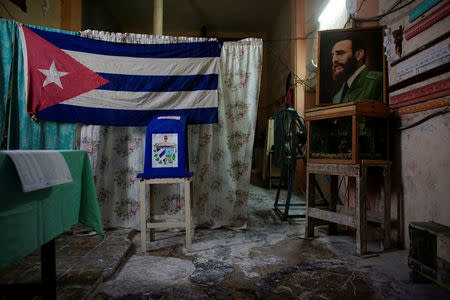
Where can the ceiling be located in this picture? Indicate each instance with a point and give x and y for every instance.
(184, 15)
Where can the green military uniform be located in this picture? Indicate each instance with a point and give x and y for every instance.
(368, 85)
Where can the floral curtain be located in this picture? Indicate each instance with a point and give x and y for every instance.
(219, 154)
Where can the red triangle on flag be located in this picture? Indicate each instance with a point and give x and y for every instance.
(53, 75)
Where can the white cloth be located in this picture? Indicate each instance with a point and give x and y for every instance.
(39, 169)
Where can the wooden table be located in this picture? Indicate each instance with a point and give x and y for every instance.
(34, 219)
(353, 217)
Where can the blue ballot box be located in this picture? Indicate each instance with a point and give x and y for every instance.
(166, 154)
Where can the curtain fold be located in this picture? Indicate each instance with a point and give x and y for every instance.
(222, 153)
(7, 42)
(219, 154)
(25, 133)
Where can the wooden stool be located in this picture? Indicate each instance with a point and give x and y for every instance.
(187, 218)
(353, 217)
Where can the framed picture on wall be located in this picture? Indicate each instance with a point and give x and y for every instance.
(351, 66)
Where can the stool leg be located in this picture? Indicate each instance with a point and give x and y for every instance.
(143, 218)
(361, 217)
(187, 213)
(309, 229)
(152, 213)
(387, 207)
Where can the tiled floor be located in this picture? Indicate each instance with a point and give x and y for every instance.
(268, 260)
(82, 261)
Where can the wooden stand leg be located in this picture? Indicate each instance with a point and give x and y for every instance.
(309, 229)
(143, 218)
(361, 217)
(387, 207)
(332, 228)
(192, 210)
(187, 213)
(351, 191)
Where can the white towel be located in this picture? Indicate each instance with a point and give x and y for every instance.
(39, 169)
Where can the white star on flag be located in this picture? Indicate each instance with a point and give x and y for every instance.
(53, 75)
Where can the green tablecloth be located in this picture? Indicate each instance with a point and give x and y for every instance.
(28, 220)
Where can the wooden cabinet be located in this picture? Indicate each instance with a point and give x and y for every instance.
(429, 251)
(349, 133)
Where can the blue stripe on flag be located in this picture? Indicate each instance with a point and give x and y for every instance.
(180, 50)
(118, 117)
(143, 83)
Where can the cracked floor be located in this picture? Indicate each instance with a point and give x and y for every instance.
(268, 260)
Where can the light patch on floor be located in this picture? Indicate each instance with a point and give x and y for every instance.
(269, 260)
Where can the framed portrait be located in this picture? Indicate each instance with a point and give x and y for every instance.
(351, 66)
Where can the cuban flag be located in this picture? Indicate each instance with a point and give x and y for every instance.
(74, 79)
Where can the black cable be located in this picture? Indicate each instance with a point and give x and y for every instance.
(294, 39)
(350, 16)
(388, 12)
(404, 5)
(430, 116)
(360, 6)
(291, 39)
(296, 77)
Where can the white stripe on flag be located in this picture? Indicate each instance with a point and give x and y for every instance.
(146, 66)
(23, 43)
(145, 100)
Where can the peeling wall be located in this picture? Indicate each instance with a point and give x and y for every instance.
(421, 169)
(421, 154)
(425, 168)
(279, 51)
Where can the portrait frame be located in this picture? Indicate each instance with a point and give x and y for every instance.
(371, 37)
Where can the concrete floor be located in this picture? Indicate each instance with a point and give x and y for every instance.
(269, 260)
